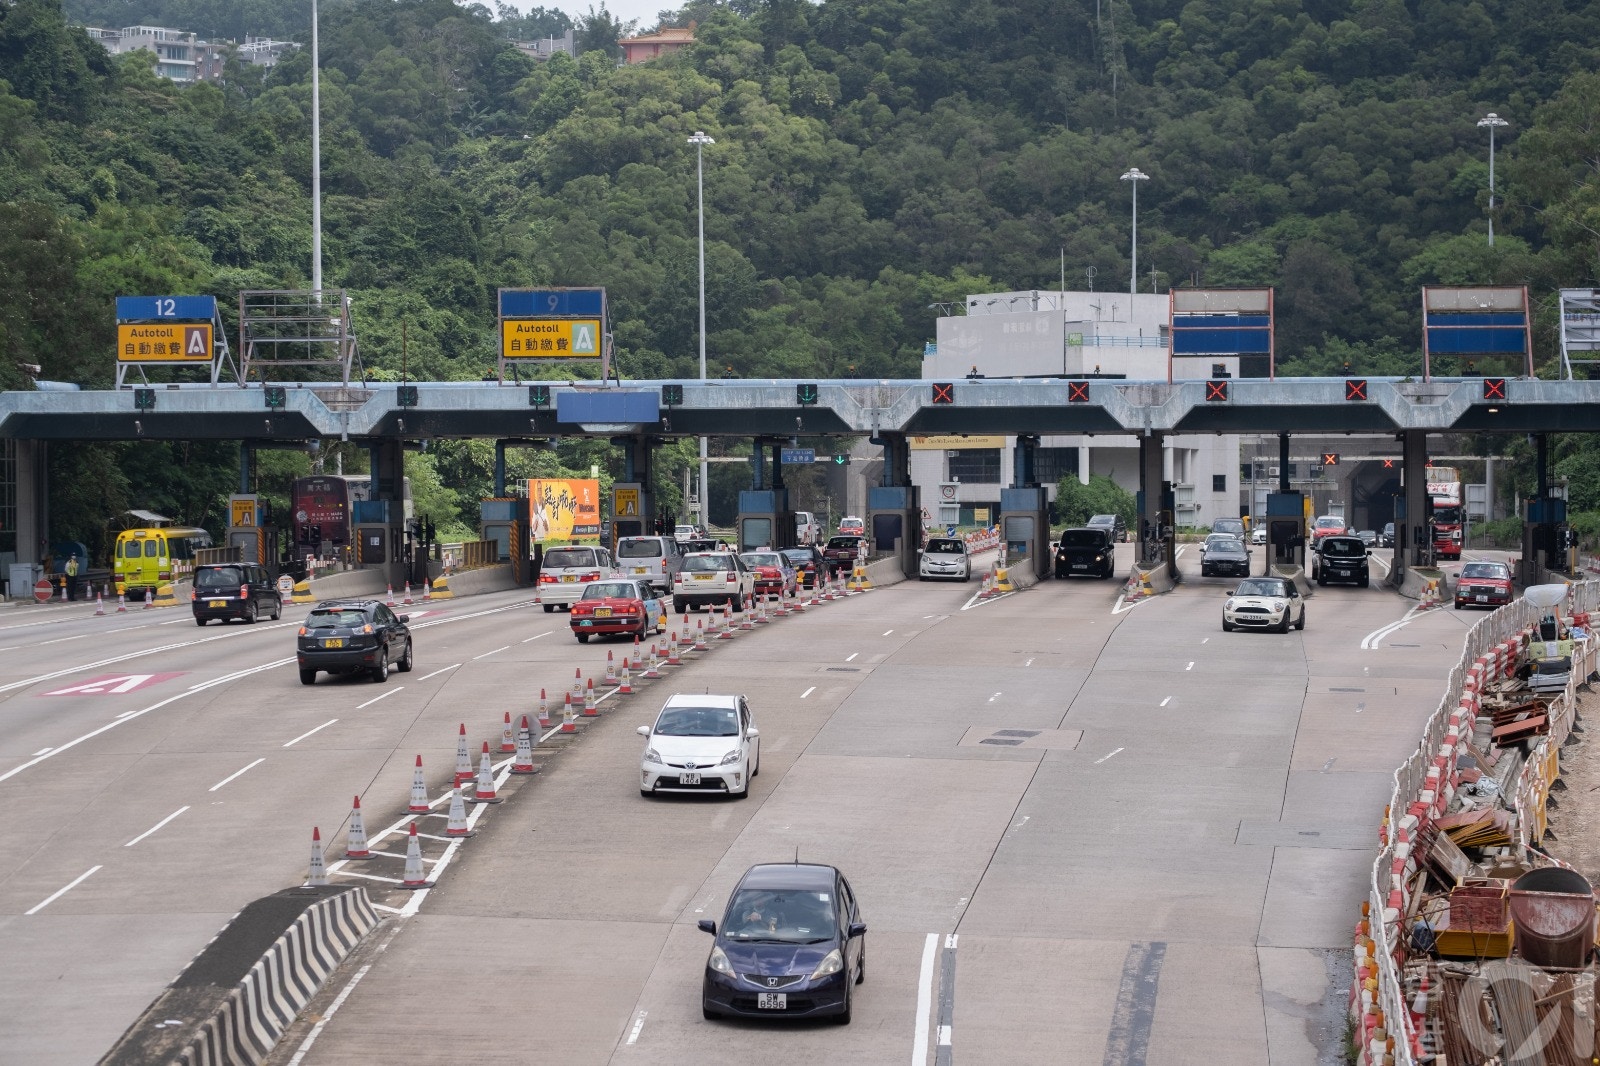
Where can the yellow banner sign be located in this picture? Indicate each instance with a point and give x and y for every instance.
(564, 510)
(626, 504)
(956, 442)
(550, 338)
(243, 511)
(175, 342)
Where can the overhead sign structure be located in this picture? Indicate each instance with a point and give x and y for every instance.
(169, 331)
(792, 456)
(1481, 321)
(1211, 322)
(543, 324)
(164, 342)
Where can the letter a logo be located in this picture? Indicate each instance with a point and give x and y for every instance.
(583, 340)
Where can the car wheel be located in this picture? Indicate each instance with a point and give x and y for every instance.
(277, 610)
(708, 1014)
(380, 672)
(1454, 605)
(744, 793)
(679, 607)
(1301, 625)
(843, 1017)
(1365, 581)
(861, 964)
(1110, 572)
(307, 677)
(1322, 582)
(1227, 626)
(202, 621)
(1284, 626)
(583, 638)
(250, 613)
(922, 577)
(404, 665)
(755, 770)
(549, 608)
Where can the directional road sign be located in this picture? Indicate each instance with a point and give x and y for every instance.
(550, 338)
(799, 455)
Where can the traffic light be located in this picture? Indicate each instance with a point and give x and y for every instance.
(1330, 458)
(538, 395)
(144, 399)
(944, 392)
(672, 395)
(405, 395)
(277, 398)
(805, 394)
(841, 460)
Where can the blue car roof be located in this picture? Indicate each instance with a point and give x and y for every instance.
(789, 875)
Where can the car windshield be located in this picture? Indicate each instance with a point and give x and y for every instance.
(568, 557)
(946, 547)
(1082, 538)
(643, 548)
(843, 542)
(1106, 520)
(785, 915)
(337, 618)
(1224, 545)
(221, 577)
(797, 557)
(1215, 539)
(1227, 525)
(762, 559)
(1261, 587)
(1490, 570)
(601, 590)
(708, 563)
(1335, 547)
(1330, 523)
(698, 722)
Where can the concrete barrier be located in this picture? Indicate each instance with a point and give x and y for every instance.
(498, 578)
(885, 572)
(242, 991)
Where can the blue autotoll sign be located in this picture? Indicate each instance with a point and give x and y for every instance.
(794, 456)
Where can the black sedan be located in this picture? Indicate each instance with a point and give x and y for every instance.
(791, 945)
(1225, 557)
(808, 563)
(352, 637)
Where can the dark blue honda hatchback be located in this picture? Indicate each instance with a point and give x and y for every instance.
(791, 945)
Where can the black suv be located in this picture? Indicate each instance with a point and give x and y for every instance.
(1111, 523)
(1086, 552)
(352, 637)
(1342, 558)
(234, 590)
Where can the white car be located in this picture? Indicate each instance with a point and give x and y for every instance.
(1264, 603)
(1258, 535)
(945, 557)
(566, 571)
(701, 743)
(710, 578)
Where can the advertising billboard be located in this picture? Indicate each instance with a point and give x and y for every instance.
(564, 510)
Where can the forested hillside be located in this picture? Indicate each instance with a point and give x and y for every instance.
(872, 157)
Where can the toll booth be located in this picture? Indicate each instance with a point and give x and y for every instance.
(1544, 539)
(377, 538)
(765, 520)
(630, 512)
(247, 531)
(1286, 530)
(1025, 528)
(505, 522)
(894, 524)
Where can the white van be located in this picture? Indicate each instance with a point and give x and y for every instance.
(806, 529)
(655, 559)
(564, 571)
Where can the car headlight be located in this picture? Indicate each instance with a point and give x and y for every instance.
(832, 962)
(652, 755)
(1228, 604)
(731, 758)
(719, 962)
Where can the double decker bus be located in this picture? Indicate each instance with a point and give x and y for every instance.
(322, 511)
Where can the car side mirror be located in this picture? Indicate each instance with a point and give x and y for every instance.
(752, 732)
(405, 618)
(643, 731)
(706, 925)
(857, 929)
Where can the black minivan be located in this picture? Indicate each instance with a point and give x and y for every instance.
(1085, 552)
(234, 590)
(1342, 558)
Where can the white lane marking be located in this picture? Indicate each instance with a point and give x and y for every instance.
(638, 1024)
(81, 667)
(61, 640)
(994, 697)
(486, 654)
(155, 827)
(1361, 706)
(536, 636)
(808, 692)
(1371, 641)
(950, 941)
(1022, 823)
(386, 695)
(1103, 758)
(1205, 640)
(1166, 701)
(852, 656)
(302, 736)
(131, 715)
(919, 1042)
(1028, 663)
(235, 774)
(944, 1036)
(327, 1015)
(42, 751)
(1190, 666)
(442, 669)
(1122, 605)
(886, 632)
(1328, 765)
(928, 616)
(74, 883)
(124, 714)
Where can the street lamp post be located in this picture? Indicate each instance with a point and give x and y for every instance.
(1492, 121)
(1135, 176)
(700, 140)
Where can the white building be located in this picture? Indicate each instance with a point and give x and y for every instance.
(1042, 334)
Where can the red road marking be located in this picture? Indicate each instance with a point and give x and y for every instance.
(112, 684)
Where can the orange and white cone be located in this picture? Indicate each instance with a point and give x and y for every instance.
(355, 841)
(419, 791)
(122, 603)
(569, 724)
(427, 589)
(147, 603)
(726, 632)
(464, 770)
(686, 640)
(611, 669)
(625, 687)
(414, 877)
(508, 737)
(700, 635)
(577, 683)
(485, 791)
(544, 711)
(747, 619)
(653, 671)
(317, 874)
(457, 826)
(406, 599)
(589, 708)
(99, 604)
(673, 658)
(388, 596)
(523, 764)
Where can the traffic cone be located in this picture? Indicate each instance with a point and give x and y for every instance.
(122, 603)
(652, 672)
(544, 711)
(625, 688)
(464, 771)
(485, 792)
(99, 605)
(577, 683)
(746, 620)
(419, 791)
(779, 610)
(726, 632)
(569, 724)
(700, 635)
(589, 708)
(524, 761)
(611, 669)
(388, 596)
(457, 826)
(427, 590)
(147, 603)
(508, 738)
(318, 873)
(673, 658)
(407, 600)
(414, 877)
(355, 841)
(686, 641)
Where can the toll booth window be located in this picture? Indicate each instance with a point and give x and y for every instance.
(980, 465)
(757, 533)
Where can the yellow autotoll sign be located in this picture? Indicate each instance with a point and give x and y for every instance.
(626, 503)
(550, 338)
(164, 342)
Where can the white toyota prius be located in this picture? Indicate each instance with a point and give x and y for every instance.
(701, 743)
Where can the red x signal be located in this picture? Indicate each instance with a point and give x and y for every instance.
(1494, 388)
(1077, 392)
(1216, 391)
(1388, 464)
(1330, 458)
(1355, 388)
(944, 392)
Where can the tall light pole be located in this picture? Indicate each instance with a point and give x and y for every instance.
(1491, 120)
(700, 140)
(1135, 176)
(316, 160)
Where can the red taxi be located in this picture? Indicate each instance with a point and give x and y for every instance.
(624, 606)
(1483, 585)
(775, 575)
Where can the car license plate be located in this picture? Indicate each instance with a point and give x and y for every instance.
(333, 642)
(217, 603)
(688, 779)
(1344, 573)
(1483, 599)
(704, 577)
(772, 1000)
(569, 577)
(602, 612)
(1080, 566)
(641, 569)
